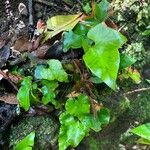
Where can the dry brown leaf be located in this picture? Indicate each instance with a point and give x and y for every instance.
(9, 99)
(73, 94)
(22, 44)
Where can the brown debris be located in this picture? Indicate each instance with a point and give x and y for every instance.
(12, 79)
(9, 99)
(22, 44)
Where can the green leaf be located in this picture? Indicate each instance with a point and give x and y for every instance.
(87, 8)
(79, 106)
(96, 80)
(27, 143)
(81, 29)
(55, 71)
(103, 58)
(148, 81)
(105, 35)
(91, 122)
(72, 131)
(103, 61)
(126, 61)
(95, 123)
(146, 32)
(143, 141)
(49, 85)
(77, 121)
(24, 93)
(142, 131)
(134, 75)
(48, 91)
(72, 40)
(101, 10)
(103, 116)
(61, 23)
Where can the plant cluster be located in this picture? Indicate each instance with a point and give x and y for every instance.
(101, 60)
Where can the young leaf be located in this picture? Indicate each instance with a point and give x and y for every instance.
(27, 143)
(101, 10)
(48, 91)
(24, 93)
(142, 131)
(72, 40)
(77, 121)
(91, 122)
(103, 116)
(79, 106)
(95, 123)
(103, 58)
(55, 71)
(126, 61)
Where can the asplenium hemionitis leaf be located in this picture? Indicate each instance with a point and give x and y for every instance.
(24, 93)
(54, 71)
(77, 121)
(103, 58)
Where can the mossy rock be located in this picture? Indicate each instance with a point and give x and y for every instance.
(45, 127)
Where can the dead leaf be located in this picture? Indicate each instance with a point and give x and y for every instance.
(61, 23)
(41, 51)
(9, 99)
(12, 79)
(22, 44)
(2, 43)
(73, 94)
(4, 55)
(22, 9)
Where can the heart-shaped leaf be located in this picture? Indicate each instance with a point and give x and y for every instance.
(103, 58)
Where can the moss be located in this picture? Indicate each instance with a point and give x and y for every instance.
(133, 17)
(46, 129)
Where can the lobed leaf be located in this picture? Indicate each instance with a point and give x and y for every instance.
(24, 93)
(79, 106)
(72, 131)
(55, 71)
(103, 58)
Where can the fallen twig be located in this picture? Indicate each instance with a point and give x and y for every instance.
(136, 91)
(45, 2)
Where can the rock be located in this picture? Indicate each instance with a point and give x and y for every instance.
(45, 127)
